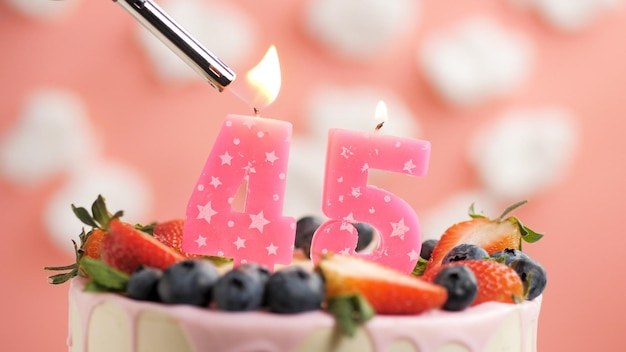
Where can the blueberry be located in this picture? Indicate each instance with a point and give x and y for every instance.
(460, 282)
(294, 290)
(366, 234)
(465, 251)
(142, 284)
(242, 288)
(510, 254)
(305, 227)
(427, 248)
(188, 282)
(533, 276)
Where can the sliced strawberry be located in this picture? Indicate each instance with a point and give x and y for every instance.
(388, 291)
(171, 234)
(496, 281)
(492, 235)
(125, 248)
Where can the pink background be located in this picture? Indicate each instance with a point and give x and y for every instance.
(150, 125)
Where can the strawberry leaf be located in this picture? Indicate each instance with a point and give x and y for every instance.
(83, 215)
(528, 235)
(473, 214)
(420, 267)
(105, 278)
(510, 208)
(349, 312)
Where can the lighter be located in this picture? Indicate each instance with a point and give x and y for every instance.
(159, 23)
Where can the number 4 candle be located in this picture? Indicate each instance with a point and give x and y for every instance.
(347, 198)
(252, 149)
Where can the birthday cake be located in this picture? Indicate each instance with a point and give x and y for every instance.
(134, 289)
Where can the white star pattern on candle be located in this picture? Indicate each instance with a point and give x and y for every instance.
(356, 192)
(206, 212)
(399, 229)
(215, 181)
(345, 251)
(346, 152)
(365, 167)
(249, 168)
(240, 243)
(413, 254)
(271, 157)
(258, 221)
(271, 249)
(201, 241)
(340, 180)
(249, 123)
(226, 158)
(409, 166)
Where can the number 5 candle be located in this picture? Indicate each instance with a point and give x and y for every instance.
(252, 149)
(347, 198)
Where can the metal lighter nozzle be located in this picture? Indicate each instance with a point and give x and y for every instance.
(151, 16)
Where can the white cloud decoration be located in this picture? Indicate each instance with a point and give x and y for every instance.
(52, 135)
(221, 28)
(570, 15)
(46, 10)
(359, 29)
(123, 189)
(524, 151)
(476, 60)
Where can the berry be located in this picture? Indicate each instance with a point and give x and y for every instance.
(293, 290)
(492, 235)
(496, 281)
(509, 255)
(170, 233)
(465, 251)
(142, 284)
(533, 276)
(305, 228)
(188, 282)
(387, 290)
(460, 282)
(242, 288)
(427, 248)
(126, 248)
(366, 234)
(91, 247)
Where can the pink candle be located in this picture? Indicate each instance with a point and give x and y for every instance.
(247, 149)
(347, 198)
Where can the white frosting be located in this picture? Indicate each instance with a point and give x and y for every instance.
(108, 322)
(476, 60)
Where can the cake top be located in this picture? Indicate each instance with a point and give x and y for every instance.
(476, 261)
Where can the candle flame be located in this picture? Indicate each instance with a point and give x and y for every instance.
(265, 79)
(381, 114)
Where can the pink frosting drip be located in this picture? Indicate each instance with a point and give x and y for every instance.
(261, 331)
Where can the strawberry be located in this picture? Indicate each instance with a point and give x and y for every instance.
(90, 242)
(388, 291)
(492, 235)
(125, 248)
(496, 281)
(170, 233)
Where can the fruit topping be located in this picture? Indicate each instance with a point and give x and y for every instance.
(496, 281)
(190, 282)
(126, 248)
(508, 255)
(170, 233)
(294, 289)
(460, 282)
(142, 284)
(242, 288)
(387, 290)
(305, 228)
(90, 242)
(465, 251)
(492, 235)
(427, 248)
(366, 235)
(533, 276)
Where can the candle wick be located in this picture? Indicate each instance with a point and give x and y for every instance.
(257, 112)
(379, 126)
